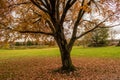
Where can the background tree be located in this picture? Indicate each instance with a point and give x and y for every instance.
(118, 44)
(99, 37)
(61, 19)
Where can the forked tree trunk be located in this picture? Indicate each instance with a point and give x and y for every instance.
(65, 56)
(65, 50)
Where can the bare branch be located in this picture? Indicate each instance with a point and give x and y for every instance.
(98, 25)
(77, 22)
(57, 10)
(36, 32)
(51, 26)
(110, 26)
(67, 7)
(39, 6)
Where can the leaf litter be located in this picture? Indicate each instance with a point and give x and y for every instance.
(38, 68)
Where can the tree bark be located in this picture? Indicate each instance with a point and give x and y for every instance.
(66, 60)
(67, 65)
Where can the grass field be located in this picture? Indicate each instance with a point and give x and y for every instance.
(105, 52)
(38, 64)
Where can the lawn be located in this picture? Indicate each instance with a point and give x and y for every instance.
(39, 64)
(104, 52)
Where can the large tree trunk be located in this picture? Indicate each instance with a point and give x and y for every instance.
(66, 60)
(67, 65)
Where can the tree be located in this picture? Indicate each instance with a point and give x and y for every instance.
(118, 44)
(99, 37)
(112, 34)
(60, 19)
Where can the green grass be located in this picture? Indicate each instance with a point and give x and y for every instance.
(104, 52)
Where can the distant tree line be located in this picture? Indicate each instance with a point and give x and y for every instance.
(31, 43)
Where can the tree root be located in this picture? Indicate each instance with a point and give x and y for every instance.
(66, 69)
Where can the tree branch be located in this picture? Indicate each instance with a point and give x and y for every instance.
(111, 26)
(67, 7)
(57, 10)
(43, 4)
(38, 5)
(98, 25)
(36, 32)
(80, 15)
(51, 26)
